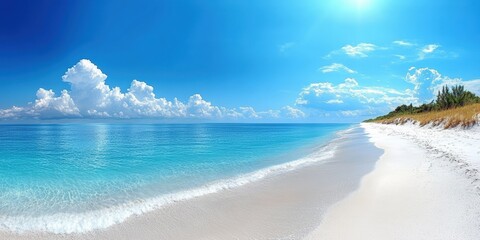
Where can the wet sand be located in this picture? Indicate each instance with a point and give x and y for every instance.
(285, 206)
(416, 190)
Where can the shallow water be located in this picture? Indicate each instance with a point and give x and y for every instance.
(79, 177)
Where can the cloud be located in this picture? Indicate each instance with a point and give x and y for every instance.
(91, 97)
(430, 48)
(360, 50)
(398, 51)
(249, 112)
(197, 107)
(427, 82)
(427, 50)
(350, 97)
(284, 47)
(46, 105)
(293, 112)
(336, 67)
(423, 80)
(403, 43)
(471, 85)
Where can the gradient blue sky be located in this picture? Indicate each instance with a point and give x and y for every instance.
(264, 55)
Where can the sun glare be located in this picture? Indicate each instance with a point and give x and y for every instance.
(361, 3)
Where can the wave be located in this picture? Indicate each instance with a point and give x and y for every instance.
(65, 223)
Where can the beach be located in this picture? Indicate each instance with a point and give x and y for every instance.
(383, 182)
(425, 186)
(284, 206)
(240, 120)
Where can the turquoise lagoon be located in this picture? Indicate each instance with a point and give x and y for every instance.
(66, 178)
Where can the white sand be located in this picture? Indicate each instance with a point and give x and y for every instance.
(284, 206)
(423, 187)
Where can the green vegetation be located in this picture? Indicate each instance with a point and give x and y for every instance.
(447, 98)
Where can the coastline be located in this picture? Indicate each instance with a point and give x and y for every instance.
(286, 205)
(205, 168)
(425, 186)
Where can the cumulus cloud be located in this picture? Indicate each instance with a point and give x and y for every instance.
(91, 97)
(427, 50)
(293, 112)
(94, 98)
(249, 112)
(360, 50)
(427, 82)
(47, 105)
(336, 67)
(350, 97)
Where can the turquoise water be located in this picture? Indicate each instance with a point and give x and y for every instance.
(78, 177)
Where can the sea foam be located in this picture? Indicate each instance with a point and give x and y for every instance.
(67, 222)
(64, 223)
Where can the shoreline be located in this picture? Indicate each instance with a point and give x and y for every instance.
(107, 216)
(422, 187)
(286, 204)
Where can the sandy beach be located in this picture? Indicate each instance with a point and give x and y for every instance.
(286, 206)
(384, 182)
(240, 120)
(423, 187)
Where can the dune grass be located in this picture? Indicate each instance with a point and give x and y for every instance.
(465, 116)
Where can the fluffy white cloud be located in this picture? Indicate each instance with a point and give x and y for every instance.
(293, 112)
(249, 112)
(94, 98)
(197, 107)
(349, 96)
(46, 103)
(427, 82)
(350, 99)
(360, 50)
(91, 97)
(45, 106)
(12, 113)
(336, 67)
(423, 80)
(427, 50)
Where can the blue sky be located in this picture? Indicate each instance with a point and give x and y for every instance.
(281, 61)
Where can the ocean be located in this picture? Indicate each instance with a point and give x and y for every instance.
(73, 178)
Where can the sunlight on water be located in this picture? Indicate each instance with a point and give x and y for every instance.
(77, 169)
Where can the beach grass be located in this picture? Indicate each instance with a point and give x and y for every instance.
(465, 116)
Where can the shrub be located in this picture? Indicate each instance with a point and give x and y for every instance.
(447, 98)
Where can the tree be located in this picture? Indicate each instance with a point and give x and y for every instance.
(447, 98)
